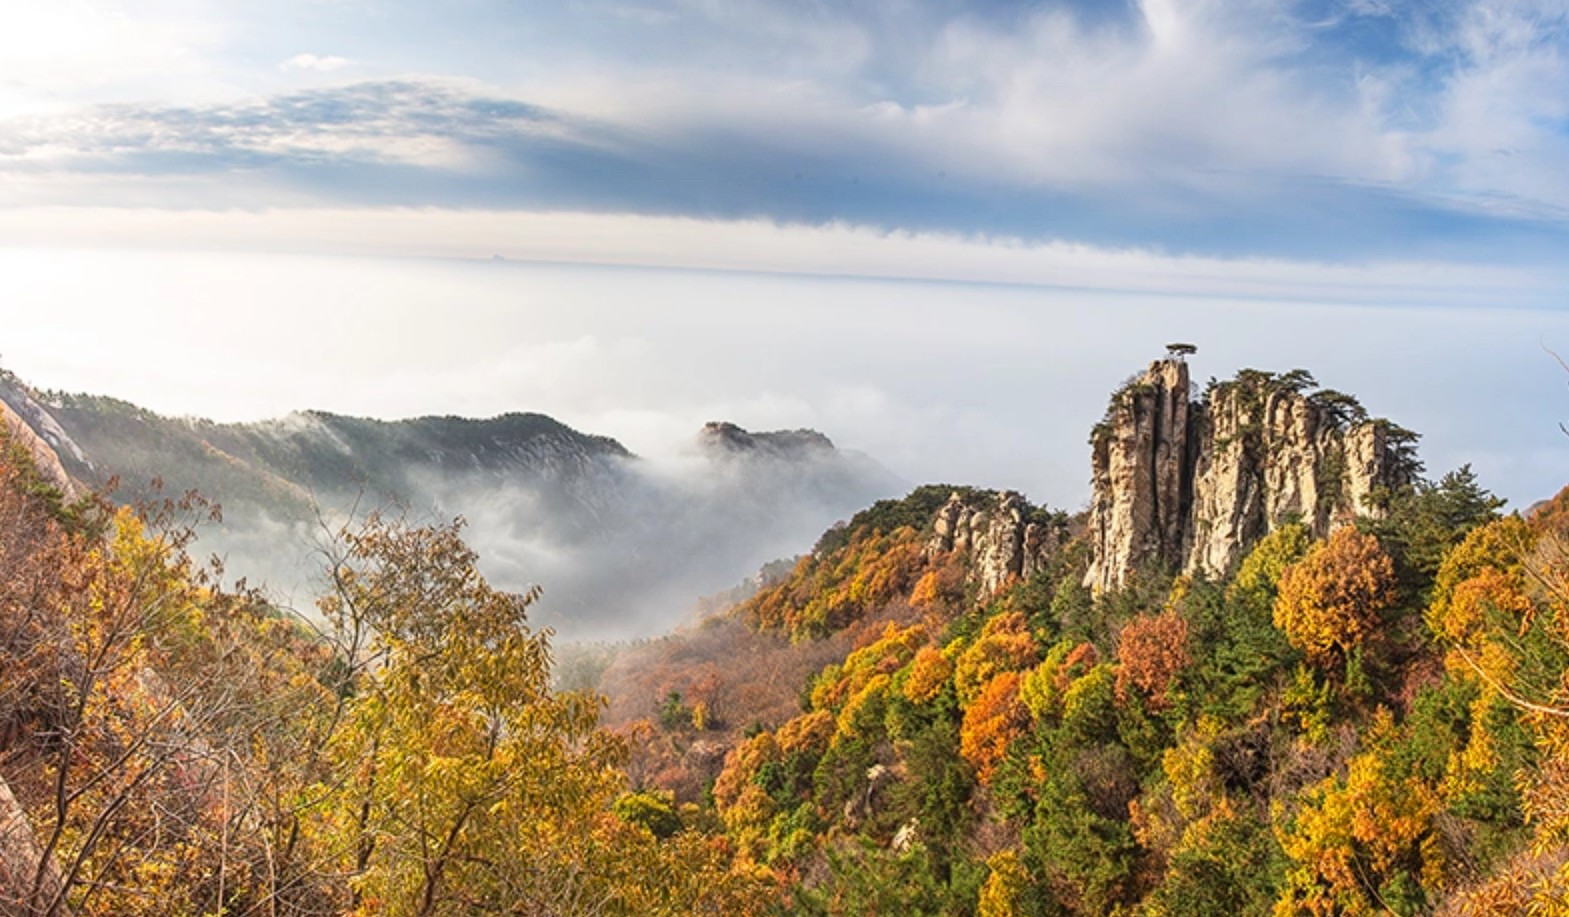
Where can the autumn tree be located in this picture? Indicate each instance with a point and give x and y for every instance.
(1499, 609)
(1152, 651)
(1364, 843)
(133, 693)
(1004, 645)
(928, 673)
(470, 784)
(1332, 600)
(1005, 885)
(992, 720)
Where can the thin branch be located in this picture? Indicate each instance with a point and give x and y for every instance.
(1507, 694)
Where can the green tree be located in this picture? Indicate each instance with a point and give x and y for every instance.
(1424, 520)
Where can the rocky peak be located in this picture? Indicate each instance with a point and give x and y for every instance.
(726, 438)
(1142, 474)
(1189, 485)
(998, 534)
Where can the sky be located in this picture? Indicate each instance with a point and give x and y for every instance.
(940, 232)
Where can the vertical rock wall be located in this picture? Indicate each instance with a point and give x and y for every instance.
(1189, 486)
(1141, 472)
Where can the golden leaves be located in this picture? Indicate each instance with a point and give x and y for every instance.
(1331, 601)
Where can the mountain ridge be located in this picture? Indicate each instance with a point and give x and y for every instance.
(545, 502)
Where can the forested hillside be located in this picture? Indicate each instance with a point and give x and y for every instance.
(1365, 719)
(622, 544)
(1373, 722)
(169, 748)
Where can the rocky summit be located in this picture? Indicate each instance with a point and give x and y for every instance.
(1188, 484)
(1003, 536)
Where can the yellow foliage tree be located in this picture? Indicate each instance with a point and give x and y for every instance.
(927, 675)
(470, 782)
(1501, 609)
(1004, 645)
(1006, 881)
(1045, 686)
(1354, 835)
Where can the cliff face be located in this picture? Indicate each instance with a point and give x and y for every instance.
(1141, 474)
(1190, 485)
(998, 535)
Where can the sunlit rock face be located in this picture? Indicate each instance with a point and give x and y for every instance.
(29, 424)
(1141, 475)
(999, 534)
(1188, 485)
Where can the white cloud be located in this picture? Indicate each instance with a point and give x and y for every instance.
(1499, 134)
(315, 62)
(1217, 98)
(63, 53)
(1201, 90)
(1191, 112)
(759, 245)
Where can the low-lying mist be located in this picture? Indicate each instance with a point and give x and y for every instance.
(621, 548)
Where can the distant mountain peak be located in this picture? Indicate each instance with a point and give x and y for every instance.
(725, 437)
(621, 544)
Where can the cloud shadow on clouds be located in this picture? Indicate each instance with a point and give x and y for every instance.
(429, 144)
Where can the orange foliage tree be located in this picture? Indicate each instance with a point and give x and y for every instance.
(1151, 651)
(1331, 601)
(1005, 645)
(991, 722)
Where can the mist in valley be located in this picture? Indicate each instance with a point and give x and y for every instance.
(622, 547)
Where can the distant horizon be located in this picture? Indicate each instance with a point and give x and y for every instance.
(878, 366)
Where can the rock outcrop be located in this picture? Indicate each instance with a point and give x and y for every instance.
(997, 533)
(1142, 474)
(45, 460)
(21, 892)
(1189, 485)
(30, 424)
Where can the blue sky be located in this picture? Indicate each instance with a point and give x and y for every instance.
(1091, 177)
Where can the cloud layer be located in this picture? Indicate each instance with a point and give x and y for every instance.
(1253, 127)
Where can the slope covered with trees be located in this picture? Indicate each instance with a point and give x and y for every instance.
(1368, 722)
(932, 712)
(170, 748)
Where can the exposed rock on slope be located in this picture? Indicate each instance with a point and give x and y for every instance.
(31, 425)
(997, 534)
(44, 457)
(19, 858)
(1190, 485)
